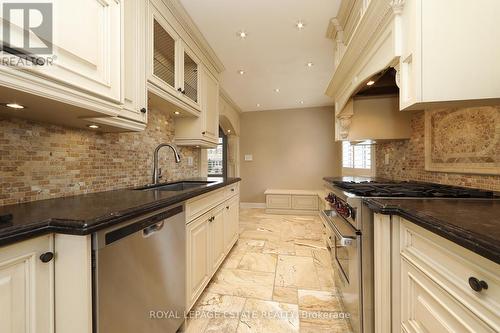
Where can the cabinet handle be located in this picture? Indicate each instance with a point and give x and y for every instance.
(143, 110)
(184, 92)
(477, 285)
(227, 207)
(46, 257)
(203, 132)
(232, 190)
(179, 89)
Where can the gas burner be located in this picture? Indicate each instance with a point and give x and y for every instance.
(410, 190)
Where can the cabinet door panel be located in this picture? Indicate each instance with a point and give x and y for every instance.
(190, 78)
(198, 257)
(217, 239)
(87, 45)
(428, 308)
(135, 93)
(210, 110)
(26, 287)
(231, 222)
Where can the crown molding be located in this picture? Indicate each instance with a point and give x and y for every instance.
(223, 93)
(194, 33)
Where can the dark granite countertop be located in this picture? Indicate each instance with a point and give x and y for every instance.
(87, 213)
(471, 223)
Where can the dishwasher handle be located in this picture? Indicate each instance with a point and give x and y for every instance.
(146, 232)
(146, 224)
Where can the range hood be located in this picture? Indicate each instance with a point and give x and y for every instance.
(372, 113)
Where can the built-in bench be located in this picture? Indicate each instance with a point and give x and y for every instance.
(279, 201)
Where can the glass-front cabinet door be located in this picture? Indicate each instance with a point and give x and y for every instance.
(164, 55)
(190, 77)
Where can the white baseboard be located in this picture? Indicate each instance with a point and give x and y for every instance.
(252, 204)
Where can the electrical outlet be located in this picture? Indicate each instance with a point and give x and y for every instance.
(248, 157)
(386, 159)
(190, 160)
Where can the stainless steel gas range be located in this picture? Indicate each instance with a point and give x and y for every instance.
(350, 235)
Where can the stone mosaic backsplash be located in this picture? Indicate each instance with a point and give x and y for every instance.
(42, 161)
(407, 157)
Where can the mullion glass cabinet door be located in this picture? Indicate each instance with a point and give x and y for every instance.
(164, 55)
(190, 78)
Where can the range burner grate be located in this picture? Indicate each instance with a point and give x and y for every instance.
(411, 189)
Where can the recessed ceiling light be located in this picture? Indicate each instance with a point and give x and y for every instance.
(241, 72)
(258, 105)
(93, 126)
(370, 83)
(277, 90)
(310, 64)
(242, 34)
(229, 131)
(14, 106)
(301, 102)
(177, 113)
(300, 25)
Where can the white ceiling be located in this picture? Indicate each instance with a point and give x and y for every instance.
(275, 53)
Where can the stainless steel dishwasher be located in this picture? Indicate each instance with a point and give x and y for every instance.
(139, 274)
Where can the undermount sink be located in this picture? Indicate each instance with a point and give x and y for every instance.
(175, 187)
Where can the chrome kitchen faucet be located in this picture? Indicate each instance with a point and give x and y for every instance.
(156, 170)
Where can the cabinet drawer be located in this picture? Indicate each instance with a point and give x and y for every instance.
(232, 190)
(201, 204)
(279, 201)
(450, 266)
(428, 308)
(305, 202)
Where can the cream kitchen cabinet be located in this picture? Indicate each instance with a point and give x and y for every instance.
(231, 222)
(134, 112)
(425, 280)
(198, 257)
(217, 231)
(437, 66)
(211, 231)
(204, 130)
(96, 70)
(173, 68)
(27, 287)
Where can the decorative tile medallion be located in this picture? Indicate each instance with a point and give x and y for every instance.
(463, 140)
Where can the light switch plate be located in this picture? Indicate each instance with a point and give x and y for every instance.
(190, 160)
(387, 157)
(249, 157)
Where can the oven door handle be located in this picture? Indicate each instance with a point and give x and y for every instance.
(345, 234)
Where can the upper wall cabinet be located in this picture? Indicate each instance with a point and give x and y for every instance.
(204, 130)
(450, 53)
(446, 52)
(173, 68)
(93, 73)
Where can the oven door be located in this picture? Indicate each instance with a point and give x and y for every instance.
(345, 245)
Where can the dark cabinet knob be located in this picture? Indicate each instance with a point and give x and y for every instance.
(203, 132)
(46, 257)
(477, 285)
(179, 89)
(227, 207)
(143, 110)
(184, 92)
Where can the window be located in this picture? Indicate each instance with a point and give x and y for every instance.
(357, 159)
(217, 157)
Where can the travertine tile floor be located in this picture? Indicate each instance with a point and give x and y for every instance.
(277, 278)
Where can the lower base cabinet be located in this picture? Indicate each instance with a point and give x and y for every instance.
(209, 238)
(424, 279)
(27, 287)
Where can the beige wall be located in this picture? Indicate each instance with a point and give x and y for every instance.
(292, 149)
